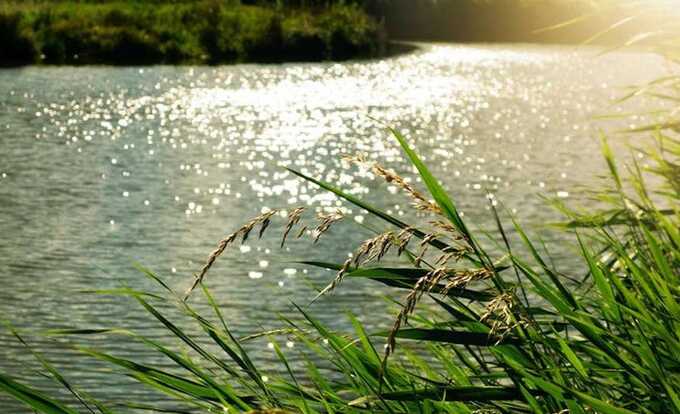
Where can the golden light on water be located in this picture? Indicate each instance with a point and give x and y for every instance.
(160, 162)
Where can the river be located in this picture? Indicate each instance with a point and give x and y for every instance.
(104, 167)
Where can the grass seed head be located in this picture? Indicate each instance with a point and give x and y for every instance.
(420, 202)
(263, 220)
(464, 277)
(325, 222)
(293, 219)
(500, 312)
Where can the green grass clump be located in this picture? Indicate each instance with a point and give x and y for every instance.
(502, 331)
(206, 31)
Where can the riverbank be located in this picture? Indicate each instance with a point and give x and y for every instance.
(122, 33)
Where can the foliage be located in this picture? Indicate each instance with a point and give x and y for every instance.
(190, 32)
(17, 40)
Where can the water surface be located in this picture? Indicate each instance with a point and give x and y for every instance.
(102, 167)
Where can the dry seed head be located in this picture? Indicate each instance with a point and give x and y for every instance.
(452, 232)
(419, 259)
(374, 248)
(413, 298)
(442, 225)
(501, 303)
(338, 278)
(359, 159)
(325, 222)
(450, 253)
(391, 344)
(463, 277)
(444, 258)
(426, 282)
(435, 276)
(293, 219)
(420, 202)
(381, 246)
(301, 232)
(424, 245)
(403, 238)
(501, 313)
(428, 238)
(263, 219)
(265, 223)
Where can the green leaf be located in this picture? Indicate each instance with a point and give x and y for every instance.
(34, 399)
(436, 190)
(404, 278)
(447, 394)
(373, 210)
(451, 336)
(599, 405)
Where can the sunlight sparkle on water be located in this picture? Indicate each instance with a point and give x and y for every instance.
(158, 165)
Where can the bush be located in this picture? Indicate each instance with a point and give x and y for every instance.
(121, 45)
(265, 44)
(349, 33)
(302, 40)
(336, 33)
(18, 43)
(220, 37)
(198, 31)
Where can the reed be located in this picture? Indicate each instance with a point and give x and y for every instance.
(534, 344)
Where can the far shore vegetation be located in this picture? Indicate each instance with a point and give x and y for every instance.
(134, 32)
(195, 32)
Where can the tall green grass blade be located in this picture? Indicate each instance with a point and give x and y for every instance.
(449, 394)
(451, 337)
(404, 278)
(32, 398)
(436, 190)
(54, 372)
(373, 210)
